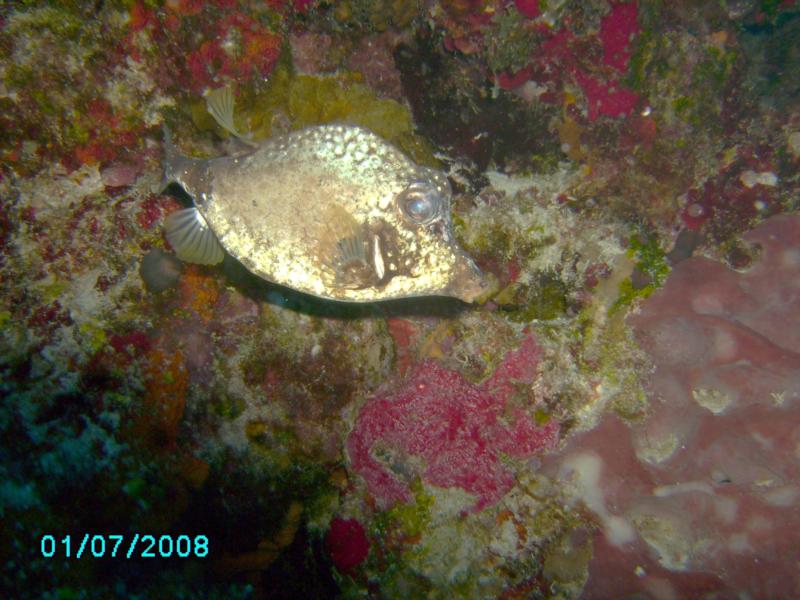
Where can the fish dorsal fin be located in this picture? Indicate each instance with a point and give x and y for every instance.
(192, 238)
(220, 105)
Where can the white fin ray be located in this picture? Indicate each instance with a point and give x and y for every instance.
(220, 105)
(351, 249)
(192, 238)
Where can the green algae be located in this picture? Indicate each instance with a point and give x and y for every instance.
(53, 291)
(544, 301)
(227, 406)
(685, 77)
(413, 518)
(509, 43)
(619, 364)
(372, 15)
(650, 257)
(94, 337)
(710, 78)
(62, 20)
(521, 236)
(608, 356)
(566, 566)
(650, 260)
(503, 233)
(396, 533)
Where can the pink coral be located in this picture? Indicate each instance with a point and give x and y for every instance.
(703, 496)
(449, 431)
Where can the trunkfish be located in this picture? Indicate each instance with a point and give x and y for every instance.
(332, 210)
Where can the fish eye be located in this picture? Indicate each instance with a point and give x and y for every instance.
(420, 203)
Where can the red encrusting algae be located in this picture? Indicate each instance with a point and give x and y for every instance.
(459, 430)
(346, 543)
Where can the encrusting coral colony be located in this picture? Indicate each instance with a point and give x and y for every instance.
(616, 415)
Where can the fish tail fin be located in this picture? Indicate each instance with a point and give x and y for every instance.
(220, 105)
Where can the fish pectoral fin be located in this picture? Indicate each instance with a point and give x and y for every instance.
(351, 264)
(192, 238)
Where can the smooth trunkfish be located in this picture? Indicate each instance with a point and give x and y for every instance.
(333, 211)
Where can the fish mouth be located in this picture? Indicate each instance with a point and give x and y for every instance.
(469, 284)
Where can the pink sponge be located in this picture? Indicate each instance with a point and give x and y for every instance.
(728, 339)
(702, 498)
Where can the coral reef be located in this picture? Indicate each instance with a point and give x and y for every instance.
(618, 418)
